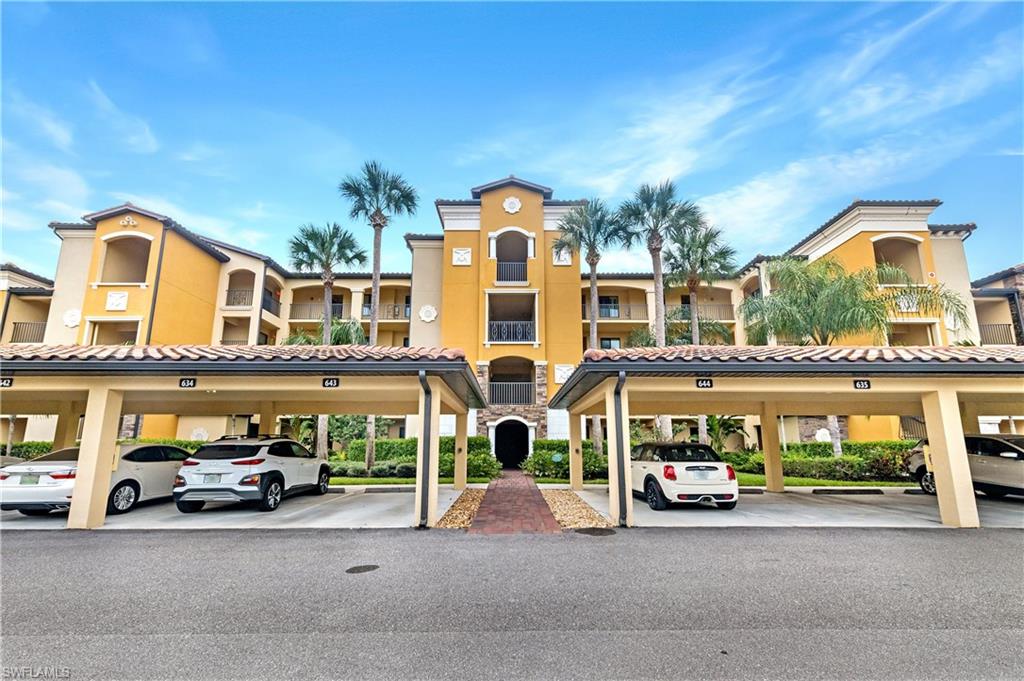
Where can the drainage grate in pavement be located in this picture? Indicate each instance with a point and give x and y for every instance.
(359, 569)
(595, 531)
(841, 490)
(751, 490)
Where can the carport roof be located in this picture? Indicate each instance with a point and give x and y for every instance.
(722, 360)
(448, 364)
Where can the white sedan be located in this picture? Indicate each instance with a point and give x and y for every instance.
(682, 472)
(44, 484)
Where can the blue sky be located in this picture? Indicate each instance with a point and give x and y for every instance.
(239, 119)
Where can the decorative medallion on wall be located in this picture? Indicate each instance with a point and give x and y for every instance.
(511, 204)
(462, 256)
(117, 301)
(129, 221)
(72, 318)
(428, 313)
(561, 257)
(200, 433)
(563, 372)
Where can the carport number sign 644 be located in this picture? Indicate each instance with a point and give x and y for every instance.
(705, 383)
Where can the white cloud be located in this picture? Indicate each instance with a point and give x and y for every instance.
(58, 187)
(132, 131)
(875, 48)
(207, 225)
(196, 152)
(43, 120)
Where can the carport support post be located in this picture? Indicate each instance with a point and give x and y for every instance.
(461, 449)
(427, 450)
(953, 485)
(96, 458)
(969, 417)
(67, 427)
(620, 490)
(773, 480)
(268, 419)
(575, 452)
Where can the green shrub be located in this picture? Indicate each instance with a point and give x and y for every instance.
(479, 464)
(29, 449)
(380, 470)
(851, 448)
(561, 446)
(405, 470)
(543, 464)
(189, 445)
(404, 449)
(736, 459)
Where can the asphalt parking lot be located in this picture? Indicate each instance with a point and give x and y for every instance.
(355, 509)
(800, 508)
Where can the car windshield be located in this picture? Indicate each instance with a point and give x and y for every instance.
(687, 453)
(69, 454)
(1015, 440)
(223, 451)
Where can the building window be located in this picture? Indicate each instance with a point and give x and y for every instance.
(608, 307)
(405, 342)
(611, 343)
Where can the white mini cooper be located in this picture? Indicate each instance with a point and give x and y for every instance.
(682, 472)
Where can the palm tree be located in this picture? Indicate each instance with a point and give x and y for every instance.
(342, 332)
(323, 249)
(820, 302)
(376, 195)
(719, 430)
(697, 254)
(647, 218)
(587, 229)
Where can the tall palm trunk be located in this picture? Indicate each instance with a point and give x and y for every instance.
(322, 419)
(371, 420)
(664, 422)
(10, 433)
(702, 419)
(834, 435)
(596, 430)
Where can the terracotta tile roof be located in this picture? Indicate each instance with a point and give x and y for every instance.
(996, 276)
(222, 353)
(861, 203)
(511, 180)
(810, 354)
(11, 267)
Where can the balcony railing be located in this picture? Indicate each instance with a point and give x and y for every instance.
(996, 334)
(239, 297)
(511, 271)
(28, 332)
(511, 332)
(390, 312)
(716, 311)
(510, 392)
(272, 305)
(227, 341)
(628, 312)
(316, 311)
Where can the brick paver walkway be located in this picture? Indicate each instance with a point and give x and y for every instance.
(514, 505)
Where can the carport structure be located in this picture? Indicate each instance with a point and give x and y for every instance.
(102, 382)
(949, 386)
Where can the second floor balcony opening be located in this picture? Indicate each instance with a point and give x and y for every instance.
(126, 260)
(613, 307)
(28, 332)
(512, 250)
(511, 381)
(271, 300)
(396, 305)
(511, 318)
(114, 333)
(902, 252)
(241, 288)
(308, 303)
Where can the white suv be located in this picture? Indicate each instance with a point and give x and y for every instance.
(261, 469)
(682, 472)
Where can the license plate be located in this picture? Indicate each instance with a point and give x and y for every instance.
(211, 477)
(29, 480)
(702, 475)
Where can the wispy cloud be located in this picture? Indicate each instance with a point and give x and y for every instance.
(197, 152)
(132, 131)
(41, 119)
(57, 190)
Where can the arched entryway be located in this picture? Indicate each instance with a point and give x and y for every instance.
(511, 443)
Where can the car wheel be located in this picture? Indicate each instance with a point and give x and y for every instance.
(926, 479)
(655, 499)
(122, 498)
(726, 505)
(190, 506)
(323, 481)
(34, 511)
(272, 493)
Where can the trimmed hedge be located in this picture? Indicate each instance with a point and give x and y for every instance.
(189, 445)
(478, 465)
(33, 448)
(852, 448)
(404, 449)
(542, 464)
(883, 466)
(28, 449)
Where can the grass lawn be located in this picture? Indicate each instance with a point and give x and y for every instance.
(396, 481)
(756, 479)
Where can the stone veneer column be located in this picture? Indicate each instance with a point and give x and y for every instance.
(541, 371)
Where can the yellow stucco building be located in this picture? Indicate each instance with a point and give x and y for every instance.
(489, 282)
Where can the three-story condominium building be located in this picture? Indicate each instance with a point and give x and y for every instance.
(490, 282)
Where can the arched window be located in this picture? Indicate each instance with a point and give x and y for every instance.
(126, 259)
(904, 251)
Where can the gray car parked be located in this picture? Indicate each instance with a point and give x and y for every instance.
(996, 461)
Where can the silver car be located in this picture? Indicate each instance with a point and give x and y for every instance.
(996, 461)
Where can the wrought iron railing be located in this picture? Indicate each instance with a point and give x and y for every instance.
(390, 312)
(912, 427)
(716, 311)
(996, 334)
(239, 297)
(510, 392)
(315, 311)
(511, 271)
(231, 341)
(272, 305)
(511, 332)
(28, 332)
(632, 311)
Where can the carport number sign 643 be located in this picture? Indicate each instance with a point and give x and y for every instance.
(331, 382)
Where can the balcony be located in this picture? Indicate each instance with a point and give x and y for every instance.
(714, 311)
(316, 311)
(511, 332)
(510, 272)
(239, 297)
(227, 341)
(510, 392)
(28, 332)
(996, 334)
(272, 305)
(623, 312)
(389, 312)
